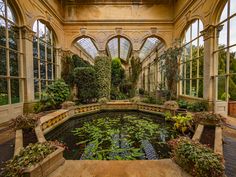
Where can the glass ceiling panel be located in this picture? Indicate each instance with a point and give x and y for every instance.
(89, 47)
(113, 47)
(124, 48)
(149, 45)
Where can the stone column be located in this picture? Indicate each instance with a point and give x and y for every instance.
(28, 65)
(208, 64)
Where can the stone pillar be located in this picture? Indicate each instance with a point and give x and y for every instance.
(208, 64)
(28, 65)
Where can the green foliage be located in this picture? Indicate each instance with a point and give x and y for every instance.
(141, 91)
(168, 66)
(136, 68)
(103, 100)
(197, 159)
(152, 100)
(117, 95)
(26, 121)
(117, 73)
(183, 104)
(183, 123)
(86, 83)
(69, 63)
(54, 95)
(168, 116)
(198, 106)
(29, 156)
(208, 118)
(102, 68)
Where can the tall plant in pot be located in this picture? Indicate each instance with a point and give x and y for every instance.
(168, 63)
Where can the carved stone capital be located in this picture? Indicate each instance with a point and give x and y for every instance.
(208, 32)
(27, 33)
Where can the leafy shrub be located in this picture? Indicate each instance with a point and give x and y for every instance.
(152, 100)
(141, 91)
(102, 68)
(26, 121)
(183, 123)
(86, 83)
(198, 106)
(208, 118)
(197, 159)
(117, 72)
(54, 95)
(183, 104)
(27, 157)
(117, 95)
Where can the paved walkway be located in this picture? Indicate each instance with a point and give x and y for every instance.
(135, 168)
(229, 147)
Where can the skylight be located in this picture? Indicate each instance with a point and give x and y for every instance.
(149, 45)
(88, 46)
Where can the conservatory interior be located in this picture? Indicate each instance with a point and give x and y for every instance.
(118, 88)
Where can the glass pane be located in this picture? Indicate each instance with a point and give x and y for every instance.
(195, 49)
(10, 15)
(201, 64)
(35, 27)
(183, 71)
(223, 35)
(232, 36)
(14, 64)
(49, 53)
(222, 61)
(200, 88)
(49, 71)
(3, 64)
(232, 87)
(149, 45)
(2, 8)
(200, 26)
(232, 66)
(188, 87)
(124, 48)
(188, 35)
(232, 7)
(2, 32)
(13, 33)
(41, 28)
(15, 92)
(224, 13)
(36, 89)
(221, 88)
(194, 88)
(35, 47)
(3, 92)
(201, 46)
(36, 68)
(88, 46)
(183, 82)
(113, 48)
(42, 50)
(194, 29)
(48, 36)
(43, 70)
(54, 72)
(194, 68)
(187, 69)
(43, 85)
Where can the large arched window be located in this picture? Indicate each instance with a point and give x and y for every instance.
(44, 55)
(191, 63)
(149, 45)
(225, 53)
(119, 47)
(10, 56)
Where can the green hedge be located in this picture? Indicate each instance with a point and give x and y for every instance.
(197, 159)
(102, 67)
(86, 83)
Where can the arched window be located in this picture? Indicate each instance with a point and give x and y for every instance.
(44, 55)
(88, 46)
(119, 47)
(149, 45)
(225, 53)
(10, 56)
(191, 63)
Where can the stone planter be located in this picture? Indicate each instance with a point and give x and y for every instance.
(47, 165)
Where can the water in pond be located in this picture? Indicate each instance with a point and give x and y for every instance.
(115, 136)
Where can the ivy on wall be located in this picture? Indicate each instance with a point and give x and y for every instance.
(102, 67)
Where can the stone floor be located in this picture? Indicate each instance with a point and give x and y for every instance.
(140, 168)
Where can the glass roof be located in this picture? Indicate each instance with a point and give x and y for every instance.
(119, 47)
(149, 45)
(87, 44)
